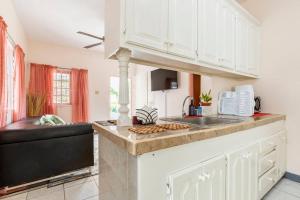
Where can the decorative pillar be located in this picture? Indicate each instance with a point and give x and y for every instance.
(123, 56)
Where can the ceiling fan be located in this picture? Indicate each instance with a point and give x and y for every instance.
(93, 36)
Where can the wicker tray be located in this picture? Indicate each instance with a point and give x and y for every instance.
(150, 129)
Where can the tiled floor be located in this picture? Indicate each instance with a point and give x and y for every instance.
(285, 190)
(87, 189)
(83, 189)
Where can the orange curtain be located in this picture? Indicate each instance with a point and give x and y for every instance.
(19, 85)
(3, 100)
(79, 81)
(41, 84)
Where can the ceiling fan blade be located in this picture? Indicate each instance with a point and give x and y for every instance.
(92, 45)
(90, 35)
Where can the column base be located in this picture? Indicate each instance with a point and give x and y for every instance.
(124, 121)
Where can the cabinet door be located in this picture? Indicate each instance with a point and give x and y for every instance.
(281, 154)
(214, 180)
(242, 174)
(227, 18)
(241, 44)
(146, 23)
(185, 184)
(203, 181)
(208, 31)
(253, 49)
(183, 28)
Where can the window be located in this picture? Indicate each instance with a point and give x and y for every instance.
(114, 97)
(10, 81)
(62, 87)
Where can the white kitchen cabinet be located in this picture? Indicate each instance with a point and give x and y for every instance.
(227, 20)
(253, 48)
(203, 181)
(281, 154)
(210, 36)
(182, 40)
(243, 174)
(147, 23)
(241, 43)
(208, 23)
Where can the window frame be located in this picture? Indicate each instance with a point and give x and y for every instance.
(130, 95)
(55, 80)
(10, 80)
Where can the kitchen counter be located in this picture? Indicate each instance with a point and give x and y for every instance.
(136, 144)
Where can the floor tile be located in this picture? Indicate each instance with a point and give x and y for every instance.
(78, 182)
(57, 195)
(289, 186)
(82, 191)
(94, 198)
(43, 192)
(17, 197)
(279, 195)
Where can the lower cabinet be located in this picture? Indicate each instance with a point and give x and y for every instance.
(242, 174)
(281, 154)
(206, 181)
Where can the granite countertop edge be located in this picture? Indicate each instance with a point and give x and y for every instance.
(139, 147)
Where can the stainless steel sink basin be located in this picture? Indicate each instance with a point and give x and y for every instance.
(205, 121)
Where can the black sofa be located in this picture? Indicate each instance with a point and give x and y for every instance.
(31, 152)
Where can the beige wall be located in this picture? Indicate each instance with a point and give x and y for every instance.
(169, 103)
(280, 83)
(15, 29)
(100, 71)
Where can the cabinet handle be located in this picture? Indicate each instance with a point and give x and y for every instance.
(271, 162)
(272, 180)
(206, 175)
(196, 51)
(201, 177)
(247, 155)
(168, 189)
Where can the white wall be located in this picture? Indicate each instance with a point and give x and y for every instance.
(175, 98)
(99, 71)
(15, 29)
(280, 83)
(169, 102)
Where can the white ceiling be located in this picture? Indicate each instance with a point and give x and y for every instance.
(57, 21)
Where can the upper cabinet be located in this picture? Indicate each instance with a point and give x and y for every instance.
(208, 25)
(227, 17)
(241, 44)
(253, 48)
(197, 35)
(147, 23)
(182, 40)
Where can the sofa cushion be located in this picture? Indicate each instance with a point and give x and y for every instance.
(30, 132)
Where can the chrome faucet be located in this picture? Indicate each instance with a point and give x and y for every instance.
(186, 98)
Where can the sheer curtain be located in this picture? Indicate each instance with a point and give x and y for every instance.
(79, 81)
(3, 98)
(41, 86)
(19, 85)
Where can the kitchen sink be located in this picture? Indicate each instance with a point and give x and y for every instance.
(205, 121)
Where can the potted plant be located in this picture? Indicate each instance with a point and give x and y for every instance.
(206, 99)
